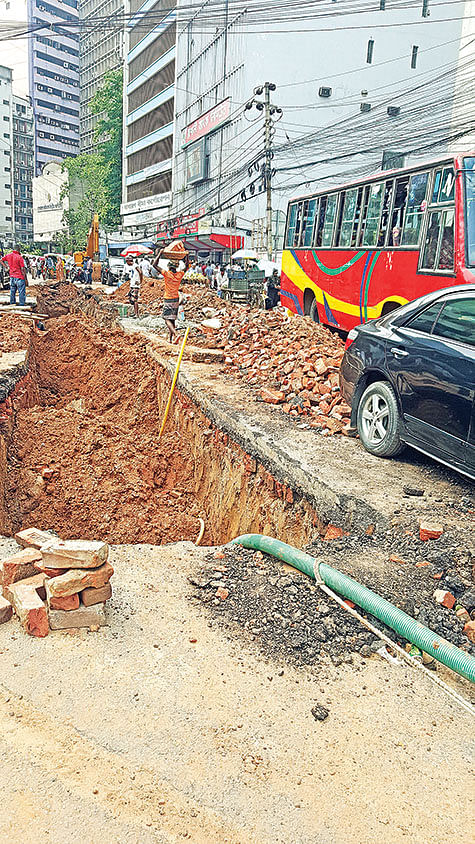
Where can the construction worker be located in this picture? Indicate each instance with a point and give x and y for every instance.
(171, 299)
(136, 278)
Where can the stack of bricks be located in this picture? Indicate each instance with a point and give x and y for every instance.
(53, 584)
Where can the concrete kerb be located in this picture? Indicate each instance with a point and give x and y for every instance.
(263, 446)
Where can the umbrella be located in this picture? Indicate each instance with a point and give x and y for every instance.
(246, 254)
(268, 266)
(135, 250)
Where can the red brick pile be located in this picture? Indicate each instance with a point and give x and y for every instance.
(288, 362)
(54, 585)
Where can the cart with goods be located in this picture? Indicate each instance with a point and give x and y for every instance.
(245, 287)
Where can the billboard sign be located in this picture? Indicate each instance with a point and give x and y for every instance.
(208, 122)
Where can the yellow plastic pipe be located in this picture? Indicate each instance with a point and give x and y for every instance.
(172, 388)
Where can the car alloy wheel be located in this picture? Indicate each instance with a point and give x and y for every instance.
(378, 420)
(375, 419)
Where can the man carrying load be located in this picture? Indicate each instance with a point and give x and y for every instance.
(172, 277)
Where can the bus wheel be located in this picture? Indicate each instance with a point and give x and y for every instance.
(313, 313)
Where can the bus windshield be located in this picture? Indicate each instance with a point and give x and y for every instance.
(469, 176)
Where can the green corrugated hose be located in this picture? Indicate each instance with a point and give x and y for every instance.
(392, 616)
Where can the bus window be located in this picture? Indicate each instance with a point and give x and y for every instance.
(388, 195)
(446, 257)
(317, 241)
(444, 186)
(399, 207)
(415, 209)
(357, 216)
(347, 219)
(373, 214)
(307, 223)
(439, 243)
(469, 177)
(291, 225)
(330, 214)
(298, 223)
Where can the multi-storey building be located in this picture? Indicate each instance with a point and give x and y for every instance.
(7, 210)
(358, 91)
(23, 169)
(54, 79)
(100, 50)
(148, 110)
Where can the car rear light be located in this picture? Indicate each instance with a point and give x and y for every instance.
(352, 335)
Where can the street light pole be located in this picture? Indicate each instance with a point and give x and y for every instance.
(271, 114)
(268, 148)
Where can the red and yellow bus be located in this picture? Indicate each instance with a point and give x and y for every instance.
(355, 253)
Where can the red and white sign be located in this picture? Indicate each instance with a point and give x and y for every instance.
(208, 121)
(185, 225)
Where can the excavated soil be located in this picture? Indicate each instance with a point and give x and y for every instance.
(86, 461)
(14, 333)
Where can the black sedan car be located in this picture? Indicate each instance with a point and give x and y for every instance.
(409, 378)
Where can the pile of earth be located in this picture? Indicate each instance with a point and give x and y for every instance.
(15, 333)
(57, 298)
(85, 461)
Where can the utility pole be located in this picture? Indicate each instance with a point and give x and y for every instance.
(271, 114)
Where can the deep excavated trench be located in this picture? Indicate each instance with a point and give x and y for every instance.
(82, 455)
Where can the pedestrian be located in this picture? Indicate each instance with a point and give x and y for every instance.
(273, 290)
(171, 300)
(59, 269)
(210, 270)
(17, 269)
(222, 281)
(136, 278)
(89, 271)
(148, 270)
(49, 264)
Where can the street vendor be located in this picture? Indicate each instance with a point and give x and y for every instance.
(172, 278)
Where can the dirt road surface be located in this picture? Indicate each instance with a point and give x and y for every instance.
(138, 734)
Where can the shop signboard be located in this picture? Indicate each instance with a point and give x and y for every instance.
(207, 122)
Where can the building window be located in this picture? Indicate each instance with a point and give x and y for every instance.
(369, 51)
(425, 9)
(415, 51)
(382, 5)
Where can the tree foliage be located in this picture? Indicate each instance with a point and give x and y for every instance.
(95, 178)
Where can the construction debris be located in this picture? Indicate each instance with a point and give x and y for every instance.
(71, 595)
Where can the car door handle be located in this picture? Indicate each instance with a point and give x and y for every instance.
(399, 353)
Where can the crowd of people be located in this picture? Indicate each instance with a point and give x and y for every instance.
(51, 267)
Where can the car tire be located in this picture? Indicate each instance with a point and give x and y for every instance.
(313, 313)
(378, 421)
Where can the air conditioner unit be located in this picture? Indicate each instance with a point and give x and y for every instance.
(393, 111)
(365, 108)
(324, 91)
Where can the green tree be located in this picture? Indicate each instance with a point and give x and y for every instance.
(88, 194)
(107, 105)
(95, 178)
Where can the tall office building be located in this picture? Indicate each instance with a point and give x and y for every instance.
(149, 110)
(23, 142)
(54, 79)
(6, 146)
(100, 50)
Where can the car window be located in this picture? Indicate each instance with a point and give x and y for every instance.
(457, 321)
(425, 320)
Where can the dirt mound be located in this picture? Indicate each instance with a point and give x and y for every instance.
(86, 461)
(151, 289)
(56, 298)
(15, 333)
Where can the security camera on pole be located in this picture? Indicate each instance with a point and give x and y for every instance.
(271, 114)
